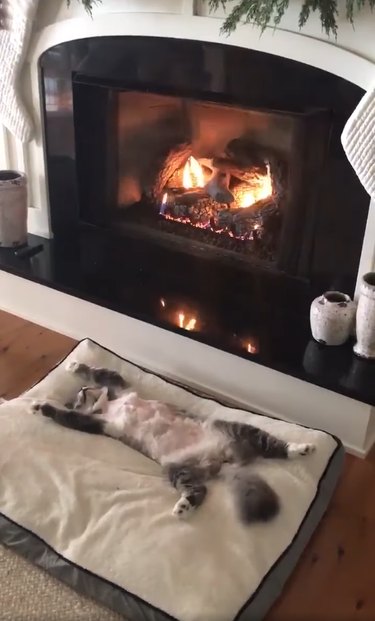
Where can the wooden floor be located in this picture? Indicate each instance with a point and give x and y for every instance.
(335, 579)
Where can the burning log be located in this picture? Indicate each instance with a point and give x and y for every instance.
(197, 208)
(218, 187)
(189, 197)
(245, 155)
(242, 221)
(174, 160)
(261, 209)
(248, 176)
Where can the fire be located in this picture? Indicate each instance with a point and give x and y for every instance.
(192, 176)
(261, 190)
(186, 323)
(181, 319)
(164, 203)
(191, 324)
(252, 347)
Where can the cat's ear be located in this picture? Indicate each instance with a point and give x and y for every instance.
(72, 366)
(102, 401)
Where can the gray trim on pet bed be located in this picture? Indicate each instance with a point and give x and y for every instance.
(274, 581)
(37, 551)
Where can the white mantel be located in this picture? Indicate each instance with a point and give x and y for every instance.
(351, 57)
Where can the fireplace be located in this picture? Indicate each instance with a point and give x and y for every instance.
(202, 187)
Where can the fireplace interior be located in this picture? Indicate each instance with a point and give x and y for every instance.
(229, 182)
(202, 188)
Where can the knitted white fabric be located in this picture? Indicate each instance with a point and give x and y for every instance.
(358, 140)
(14, 41)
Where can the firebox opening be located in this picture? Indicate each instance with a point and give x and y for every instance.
(229, 181)
(211, 173)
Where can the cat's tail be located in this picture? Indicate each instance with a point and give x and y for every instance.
(255, 500)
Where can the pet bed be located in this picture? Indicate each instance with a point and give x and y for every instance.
(98, 515)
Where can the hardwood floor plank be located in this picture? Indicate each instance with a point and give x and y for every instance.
(27, 353)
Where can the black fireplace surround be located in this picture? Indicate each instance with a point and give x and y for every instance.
(203, 188)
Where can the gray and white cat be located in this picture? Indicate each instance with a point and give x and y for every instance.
(191, 450)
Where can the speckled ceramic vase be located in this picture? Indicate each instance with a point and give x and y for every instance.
(13, 208)
(332, 318)
(365, 326)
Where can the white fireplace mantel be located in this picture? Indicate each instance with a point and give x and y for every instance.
(214, 371)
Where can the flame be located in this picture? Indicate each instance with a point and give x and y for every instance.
(191, 324)
(261, 190)
(162, 302)
(252, 347)
(192, 176)
(185, 322)
(163, 205)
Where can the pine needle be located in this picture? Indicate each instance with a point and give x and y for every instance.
(88, 4)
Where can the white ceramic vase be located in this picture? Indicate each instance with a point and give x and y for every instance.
(13, 208)
(332, 318)
(365, 325)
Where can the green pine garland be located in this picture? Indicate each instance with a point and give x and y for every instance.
(265, 13)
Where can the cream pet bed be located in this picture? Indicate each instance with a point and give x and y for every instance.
(97, 515)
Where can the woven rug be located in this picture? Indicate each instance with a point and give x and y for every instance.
(29, 594)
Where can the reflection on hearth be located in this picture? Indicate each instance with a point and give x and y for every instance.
(186, 315)
(179, 316)
(252, 346)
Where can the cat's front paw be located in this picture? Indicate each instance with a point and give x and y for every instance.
(36, 407)
(73, 366)
(183, 508)
(298, 450)
(42, 407)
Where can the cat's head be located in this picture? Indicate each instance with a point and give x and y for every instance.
(87, 399)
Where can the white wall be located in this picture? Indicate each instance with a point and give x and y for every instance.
(360, 39)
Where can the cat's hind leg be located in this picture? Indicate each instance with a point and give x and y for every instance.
(249, 442)
(296, 449)
(189, 481)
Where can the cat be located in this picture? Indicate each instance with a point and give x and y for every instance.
(190, 449)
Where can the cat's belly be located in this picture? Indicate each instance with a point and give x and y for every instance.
(153, 426)
(163, 438)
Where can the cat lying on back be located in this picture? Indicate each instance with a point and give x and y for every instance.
(191, 450)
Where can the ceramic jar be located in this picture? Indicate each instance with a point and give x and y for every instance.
(13, 208)
(332, 318)
(365, 326)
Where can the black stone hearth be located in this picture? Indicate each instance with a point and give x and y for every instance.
(278, 330)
